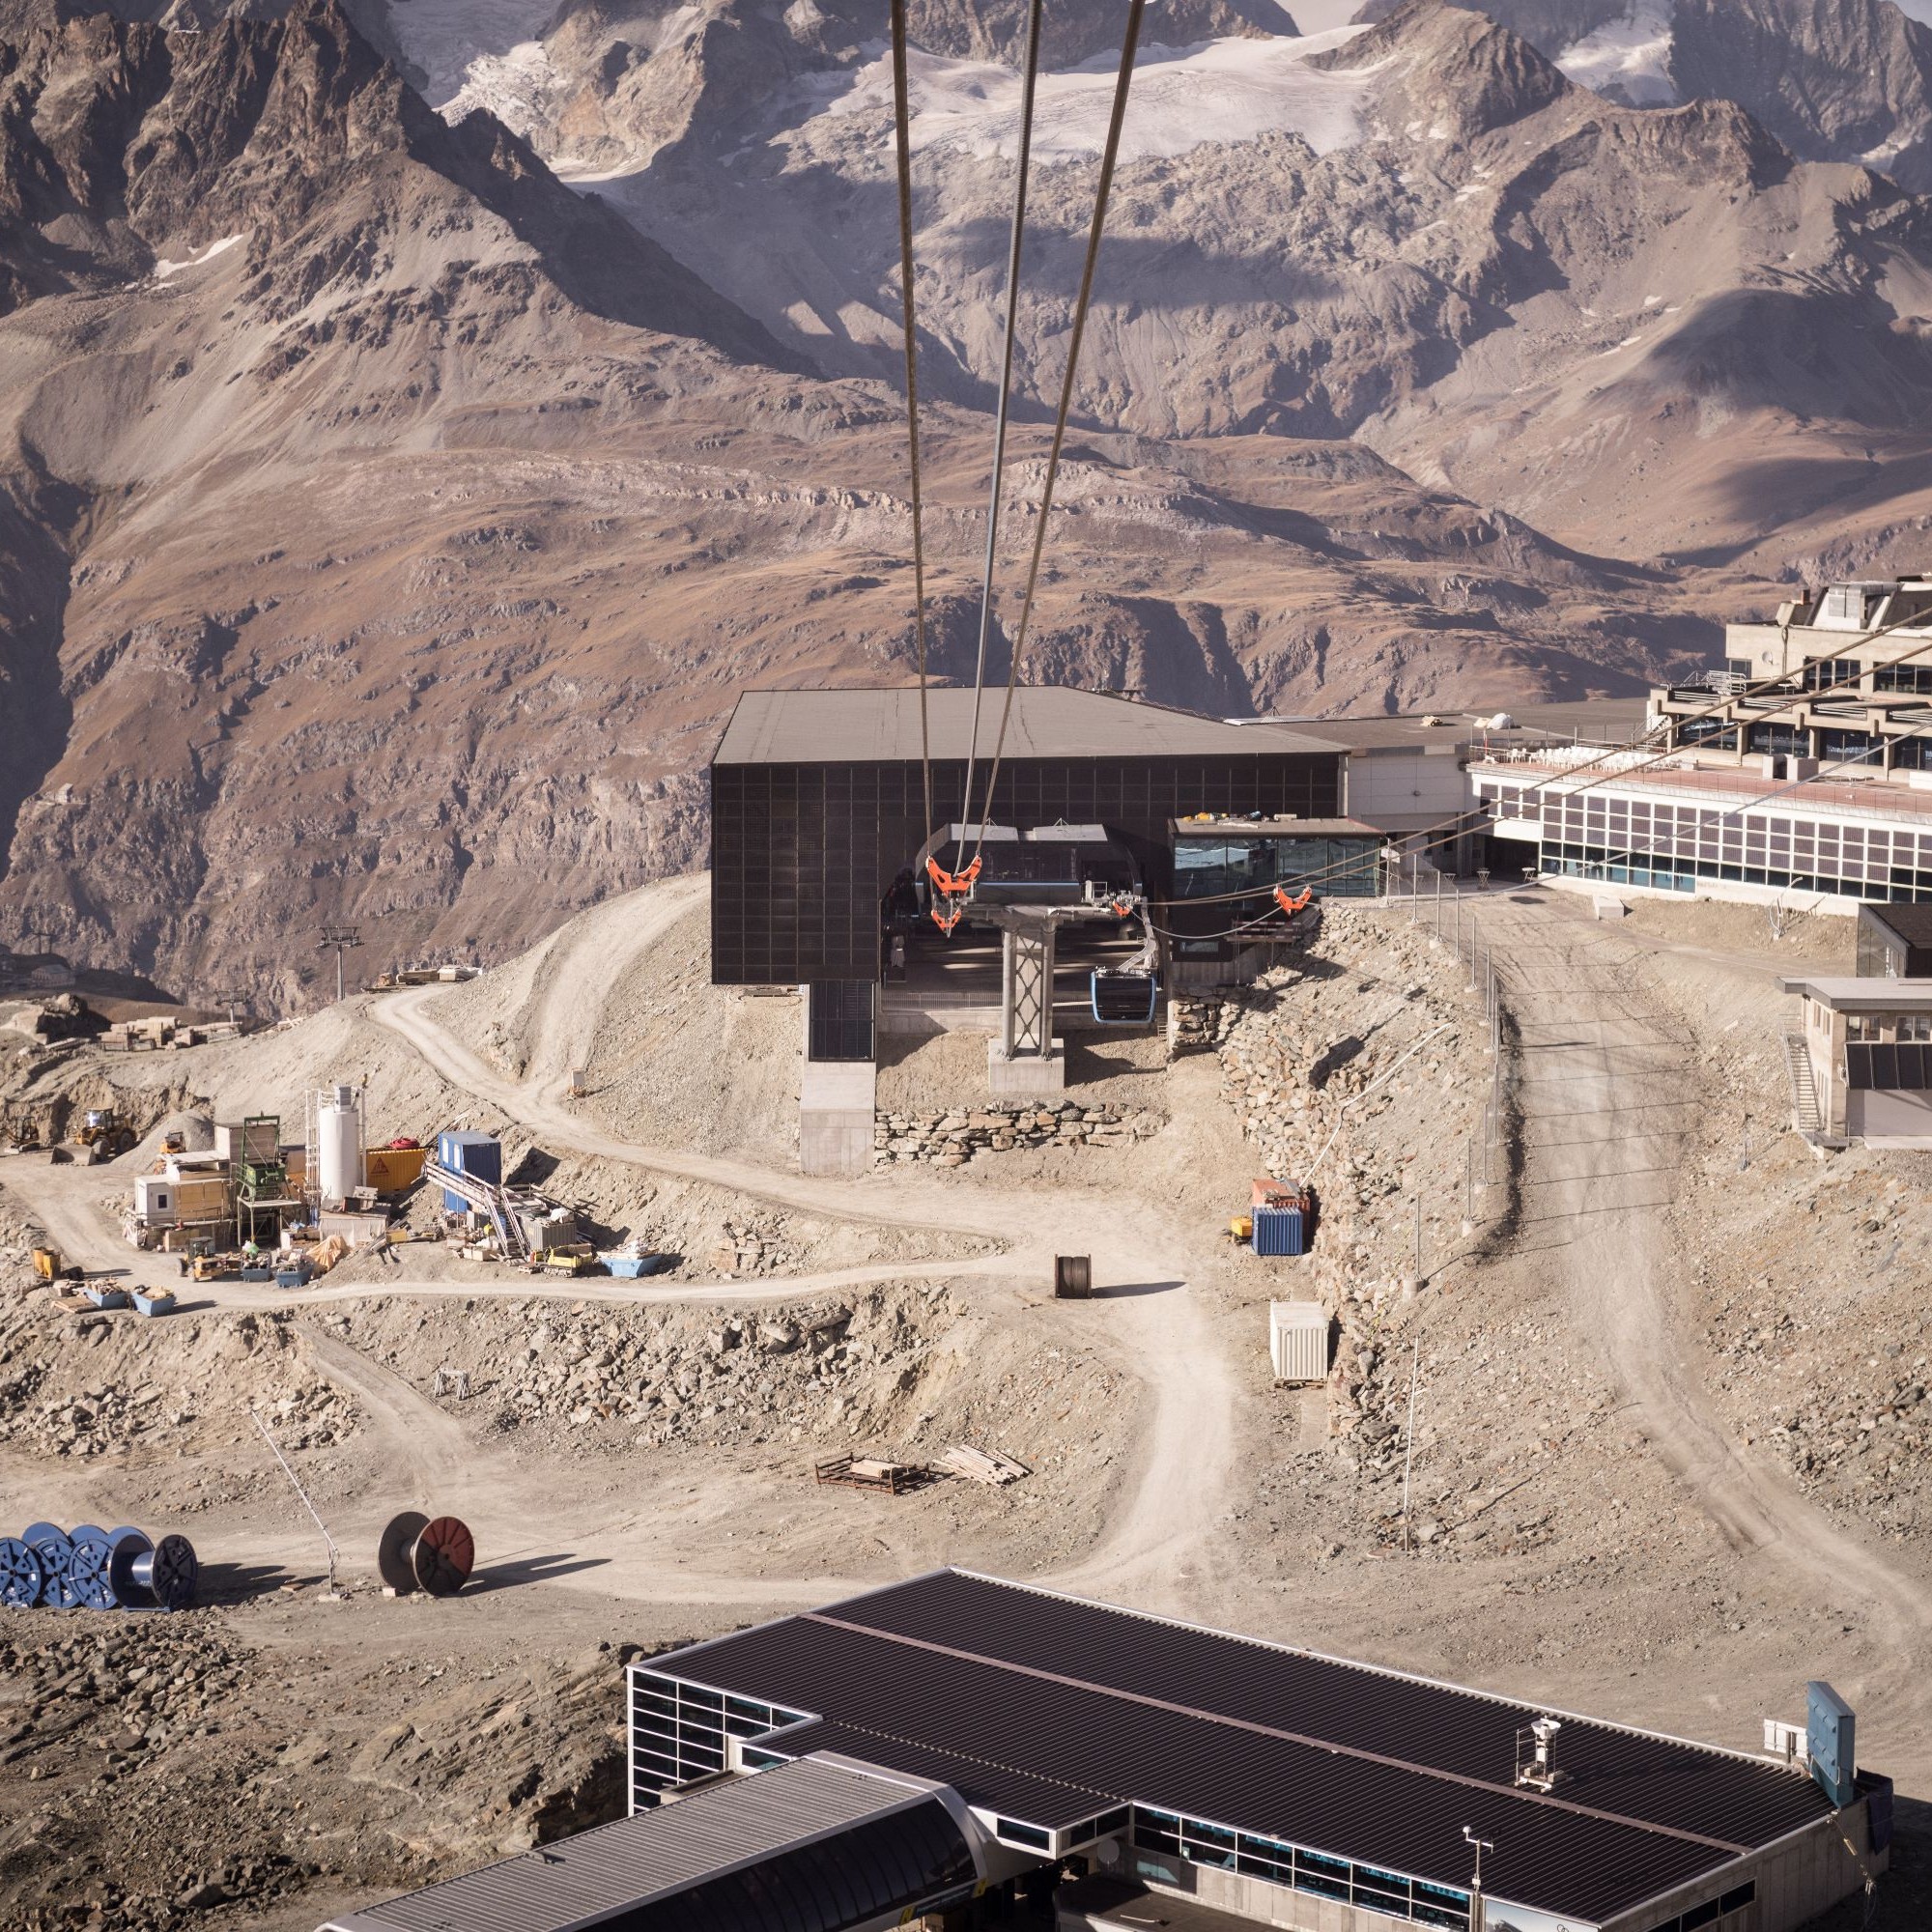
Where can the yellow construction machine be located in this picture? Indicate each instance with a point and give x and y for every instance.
(104, 1135)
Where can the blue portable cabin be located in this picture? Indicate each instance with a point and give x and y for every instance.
(468, 1153)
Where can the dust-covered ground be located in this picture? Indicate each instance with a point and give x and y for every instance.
(637, 1459)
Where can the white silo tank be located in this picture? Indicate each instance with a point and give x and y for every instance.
(338, 1145)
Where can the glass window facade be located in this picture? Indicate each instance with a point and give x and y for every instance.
(1792, 741)
(1279, 1862)
(1723, 1912)
(678, 1731)
(1338, 867)
(1671, 847)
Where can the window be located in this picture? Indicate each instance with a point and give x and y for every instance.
(1701, 1914)
(1156, 1830)
(1015, 1833)
(1792, 741)
(1103, 1827)
(1737, 1900)
(1861, 1026)
(1916, 679)
(1828, 672)
(1208, 1844)
(1913, 1027)
(1329, 1877)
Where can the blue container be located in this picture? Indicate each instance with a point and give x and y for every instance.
(1279, 1230)
(628, 1268)
(292, 1277)
(154, 1300)
(107, 1298)
(480, 1155)
(258, 1274)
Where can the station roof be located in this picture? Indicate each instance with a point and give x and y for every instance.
(729, 1854)
(1861, 993)
(875, 726)
(1208, 827)
(1051, 1709)
(1593, 721)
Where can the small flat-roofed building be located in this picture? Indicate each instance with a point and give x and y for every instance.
(1862, 1059)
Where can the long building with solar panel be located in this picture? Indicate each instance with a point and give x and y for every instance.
(924, 1747)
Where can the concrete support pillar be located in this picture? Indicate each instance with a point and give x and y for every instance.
(836, 1105)
(1026, 1058)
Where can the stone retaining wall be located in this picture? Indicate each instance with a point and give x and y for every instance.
(1199, 1022)
(949, 1140)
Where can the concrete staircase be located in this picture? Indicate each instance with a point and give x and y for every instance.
(1805, 1114)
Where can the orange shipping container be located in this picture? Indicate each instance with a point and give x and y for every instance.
(390, 1169)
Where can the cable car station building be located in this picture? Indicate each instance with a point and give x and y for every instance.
(819, 819)
(904, 1752)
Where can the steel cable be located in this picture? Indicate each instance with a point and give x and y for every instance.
(1109, 156)
(1028, 90)
(902, 137)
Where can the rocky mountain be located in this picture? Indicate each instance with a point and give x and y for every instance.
(1842, 80)
(392, 501)
(1421, 235)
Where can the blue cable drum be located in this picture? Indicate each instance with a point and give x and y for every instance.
(169, 1574)
(53, 1551)
(125, 1545)
(20, 1579)
(90, 1579)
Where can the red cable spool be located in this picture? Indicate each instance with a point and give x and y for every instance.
(446, 1553)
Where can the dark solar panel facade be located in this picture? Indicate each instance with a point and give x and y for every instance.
(802, 854)
(1872, 1067)
(1047, 1709)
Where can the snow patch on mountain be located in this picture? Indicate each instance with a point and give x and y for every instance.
(165, 270)
(448, 39)
(1223, 92)
(520, 87)
(1631, 57)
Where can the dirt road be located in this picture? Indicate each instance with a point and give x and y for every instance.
(1186, 1458)
(1608, 1106)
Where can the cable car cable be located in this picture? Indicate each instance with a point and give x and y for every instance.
(1029, 88)
(903, 141)
(1109, 156)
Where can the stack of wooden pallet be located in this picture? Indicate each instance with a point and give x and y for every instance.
(982, 1466)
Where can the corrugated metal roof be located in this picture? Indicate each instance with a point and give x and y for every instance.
(992, 1786)
(581, 1880)
(1340, 1757)
(868, 726)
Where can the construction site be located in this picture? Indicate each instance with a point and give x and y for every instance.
(1115, 1317)
(1613, 1396)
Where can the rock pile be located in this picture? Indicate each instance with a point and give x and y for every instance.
(1308, 1042)
(109, 1696)
(1855, 1441)
(951, 1140)
(101, 1385)
(654, 1377)
(754, 1246)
